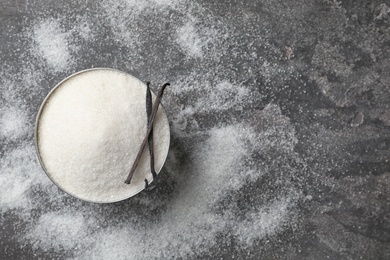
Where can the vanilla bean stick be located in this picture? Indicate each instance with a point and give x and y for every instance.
(149, 129)
(149, 105)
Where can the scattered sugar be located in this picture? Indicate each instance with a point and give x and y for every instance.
(13, 122)
(216, 98)
(208, 180)
(122, 15)
(223, 96)
(269, 220)
(224, 160)
(20, 173)
(190, 226)
(58, 231)
(89, 134)
(189, 40)
(84, 29)
(52, 44)
(123, 242)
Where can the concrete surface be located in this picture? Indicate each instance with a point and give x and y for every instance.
(280, 128)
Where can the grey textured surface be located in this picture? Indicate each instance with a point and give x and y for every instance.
(280, 128)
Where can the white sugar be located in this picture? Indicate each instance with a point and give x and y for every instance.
(90, 131)
(13, 123)
(58, 230)
(52, 44)
(189, 40)
(190, 225)
(19, 173)
(267, 221)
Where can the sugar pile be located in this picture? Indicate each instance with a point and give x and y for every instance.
(89, 133)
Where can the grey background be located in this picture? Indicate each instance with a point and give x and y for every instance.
(316, 82)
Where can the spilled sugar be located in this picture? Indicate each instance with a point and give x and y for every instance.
(56, 45)
(12, 123)
(52, 44)
(221, 96)
(84, 29)
(208, 172)
(216, 98)
(189, 40)
(123, 15)
(20, 173)
(14, 117)
(189, 226)
(58, 231)
(265, 222)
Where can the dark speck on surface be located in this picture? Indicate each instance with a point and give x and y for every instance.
(358, 119)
